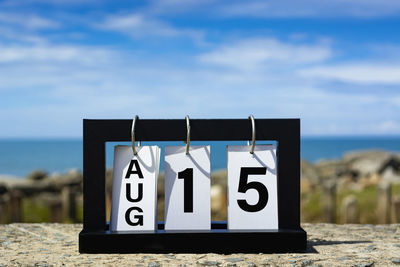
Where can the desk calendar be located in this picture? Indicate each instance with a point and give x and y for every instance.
(263, 187)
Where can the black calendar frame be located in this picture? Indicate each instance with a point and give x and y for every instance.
(95, 236)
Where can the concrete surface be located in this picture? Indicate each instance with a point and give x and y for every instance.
(328, 245)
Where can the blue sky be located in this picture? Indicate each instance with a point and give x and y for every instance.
(334, 64)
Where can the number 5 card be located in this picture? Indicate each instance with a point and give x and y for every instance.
(252, 188)
(187, 188)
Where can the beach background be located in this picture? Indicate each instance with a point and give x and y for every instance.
(343, 179)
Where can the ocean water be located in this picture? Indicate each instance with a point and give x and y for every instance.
(20, 157)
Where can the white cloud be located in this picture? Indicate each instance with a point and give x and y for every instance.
(256, 53)
(28, 21)
(8, 33)
(24, 28)
(362, 73)
(47, 53)
(138, 25)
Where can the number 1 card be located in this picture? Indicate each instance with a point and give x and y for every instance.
(187, 188)
(252, 188)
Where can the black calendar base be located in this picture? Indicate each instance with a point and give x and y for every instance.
(218, 240)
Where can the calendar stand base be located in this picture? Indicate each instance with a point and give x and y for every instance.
(218, 240)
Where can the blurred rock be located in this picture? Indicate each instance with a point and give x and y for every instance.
(53, 184)
(37, 175)
(309, 172)
(218, 198)
(392, 162)
(219, 177)
(363, 182)
(390, 175)
(374, 179)
(354, 156)
(356, 170)
(331, 169)
(219, 195)
(74, 175)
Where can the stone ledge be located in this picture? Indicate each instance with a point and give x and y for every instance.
(328, 245)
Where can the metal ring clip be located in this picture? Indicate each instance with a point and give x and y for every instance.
(187, 134)
(253, 134)
(133, 135)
